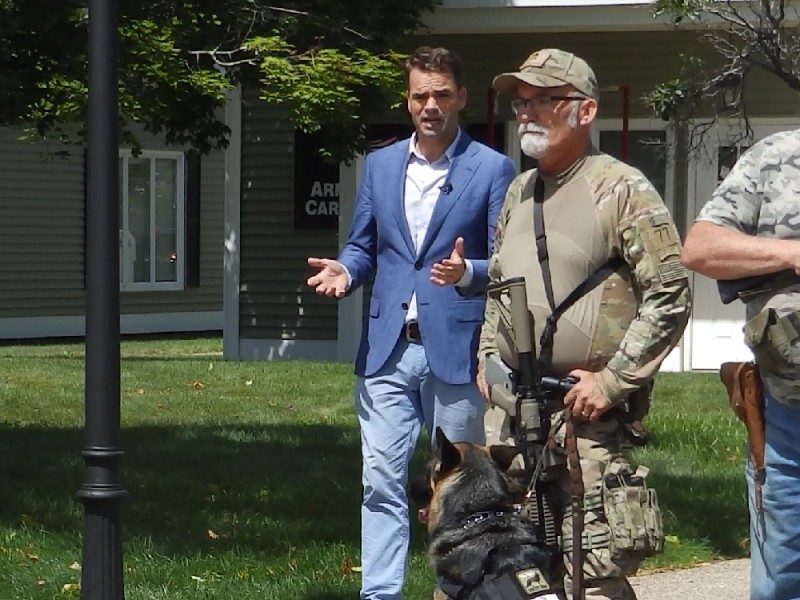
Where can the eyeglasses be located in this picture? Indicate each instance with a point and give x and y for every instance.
(539, 103)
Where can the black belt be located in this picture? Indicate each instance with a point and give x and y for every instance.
(410, 332)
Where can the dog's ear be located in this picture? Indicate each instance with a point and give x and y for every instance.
(503, 455)
(449, 456)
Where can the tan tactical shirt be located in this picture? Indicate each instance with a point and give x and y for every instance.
(626, 326)
(760, 197)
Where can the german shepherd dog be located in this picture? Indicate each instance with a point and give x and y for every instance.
(480, 547)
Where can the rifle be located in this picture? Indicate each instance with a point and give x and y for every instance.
(745, 288)
(530, 398)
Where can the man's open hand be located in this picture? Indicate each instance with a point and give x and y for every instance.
(331, 280)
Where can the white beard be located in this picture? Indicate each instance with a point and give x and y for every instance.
(534, 140)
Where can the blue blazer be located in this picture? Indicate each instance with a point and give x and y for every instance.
(449, 318)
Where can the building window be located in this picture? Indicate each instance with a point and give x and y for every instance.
(151, 230)
(647, 151)
(726, 159)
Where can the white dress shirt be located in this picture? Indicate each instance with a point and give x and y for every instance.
(424, 183)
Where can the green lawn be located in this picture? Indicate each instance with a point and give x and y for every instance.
(244, 477)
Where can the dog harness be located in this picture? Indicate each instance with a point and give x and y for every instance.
(525, 584)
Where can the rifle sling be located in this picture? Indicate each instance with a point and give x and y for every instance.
(577, 491)
(541, 240)
(588, 284)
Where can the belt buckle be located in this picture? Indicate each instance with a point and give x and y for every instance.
(407, 333)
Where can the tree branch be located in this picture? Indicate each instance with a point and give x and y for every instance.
(303, 13)
(228, 62)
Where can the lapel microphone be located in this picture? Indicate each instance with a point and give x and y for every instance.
(446, 188)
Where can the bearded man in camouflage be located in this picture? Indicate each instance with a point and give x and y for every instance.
(614, 338)
(751, 226)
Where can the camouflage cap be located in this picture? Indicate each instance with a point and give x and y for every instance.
(550, 68)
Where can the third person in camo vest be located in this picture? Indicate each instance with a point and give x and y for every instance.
(614, 338)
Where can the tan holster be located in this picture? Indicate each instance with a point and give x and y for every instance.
(743, 385)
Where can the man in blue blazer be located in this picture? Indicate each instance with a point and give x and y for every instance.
(424, 224)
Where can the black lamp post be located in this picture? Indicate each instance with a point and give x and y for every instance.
(101, 492)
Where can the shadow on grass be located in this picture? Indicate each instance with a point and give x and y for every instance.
(126, 357)
(269, 488)
(265, 488)
(705, 507)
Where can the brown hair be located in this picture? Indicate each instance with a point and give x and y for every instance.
(439, 60)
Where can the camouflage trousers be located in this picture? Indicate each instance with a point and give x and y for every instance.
(600, 444)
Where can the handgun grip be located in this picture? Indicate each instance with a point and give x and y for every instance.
(746, 287)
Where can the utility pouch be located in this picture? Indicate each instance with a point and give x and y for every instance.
(632, 512)
(772, 338)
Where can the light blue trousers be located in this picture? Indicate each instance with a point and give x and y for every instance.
(775, 531)
(392, 406)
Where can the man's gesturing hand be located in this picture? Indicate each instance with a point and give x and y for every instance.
(331, 280)
(450, 270)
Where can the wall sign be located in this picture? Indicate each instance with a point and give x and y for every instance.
(316, 185)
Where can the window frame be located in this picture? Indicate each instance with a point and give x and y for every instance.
(180, 220)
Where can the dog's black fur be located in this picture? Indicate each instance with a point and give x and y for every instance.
(474, 529)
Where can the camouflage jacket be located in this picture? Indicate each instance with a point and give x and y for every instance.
(760, 197)
(624, 328)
